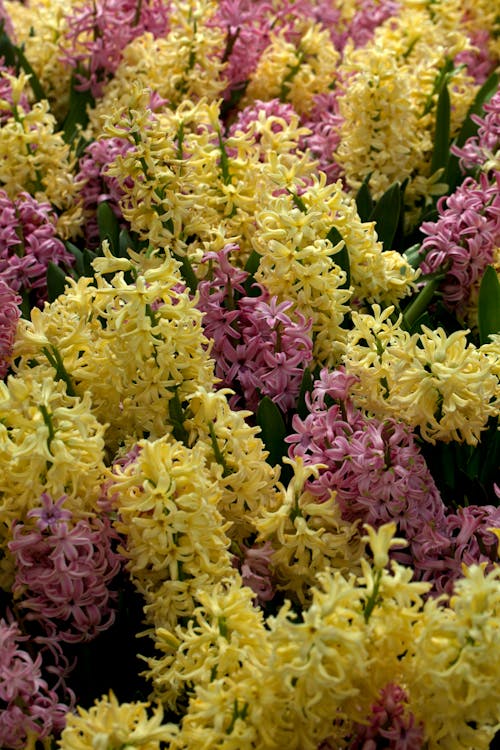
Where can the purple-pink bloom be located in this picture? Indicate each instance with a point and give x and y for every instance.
(255, 569)
(259, 349)
(478, 149)
(391, 724)
(374, 466)
(27, 705)
(98, 31)
(479, 61)
(64, 572)
(28, 243)
(9, 315)
(465, 539)
(96, 185)
(463, 240)
(324, 121)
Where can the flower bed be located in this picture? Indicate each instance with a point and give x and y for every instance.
(250, 362)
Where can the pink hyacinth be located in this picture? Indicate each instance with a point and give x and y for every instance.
(27, 706)
(98, 32)
(255, 569)
(465, 539)
(479, 148)
(9, 315)
(324, 121)
(96, 185)
(259, 350)
(391, 724)
(28, 243)
(64, 570)
(375, 467)
(463, 240)
(478, 60)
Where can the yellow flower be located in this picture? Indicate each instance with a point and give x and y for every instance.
(295, 72)
(49, 442)
(223, 632)
(308, 537)
(110, 725)
(454, 684)
(174, 535)
(132, 359)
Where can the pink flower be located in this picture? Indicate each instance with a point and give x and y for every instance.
(463, 239)
(96, 185)
(256, 572)
(324, 121)
(9, 315)
(27, 706)
(63, 572)
(259, 349)
(392, 725)
(479, 61)
(375, 467)
(99, 31)
(28, 243)
(478, 149)
(466, 539)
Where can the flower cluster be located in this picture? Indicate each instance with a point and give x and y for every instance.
(249, 374)
(63, 572)
(29, 709)
(256, 345)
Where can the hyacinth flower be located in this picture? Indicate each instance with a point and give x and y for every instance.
(464, 239)
(29, 710)
(259, 349)
(64, 568)
(96, 185)
(392, 725)
(9, 315)
(97, 32)
(374, 466)
(28, 243)
(466, 539)
(481, 150)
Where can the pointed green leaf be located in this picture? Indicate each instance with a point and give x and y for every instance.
(125, 243)
(251, 267)
(364, 200)
(77, 117)
(273, 430)
(109, 228)
(341, 257)
(386, 215)
(489, 305)
(56, 281)
(187, 272)
(441, 152)
(420, 303)
(306, 386)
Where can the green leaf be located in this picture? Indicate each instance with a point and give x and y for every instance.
(251, 267)
(270, 421)
(306, 386)
(386, 215)
(125, 243)
(441, 152)
(489, 305)
(187, 272)
(341, 257)
(413, 255)
(77, 117)
(109, 228)
(419, 305)
(364, 200)
(15, 57)
(177, 418)
(56, 281)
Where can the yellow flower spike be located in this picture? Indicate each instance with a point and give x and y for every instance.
(381, 540)
(109, 725)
